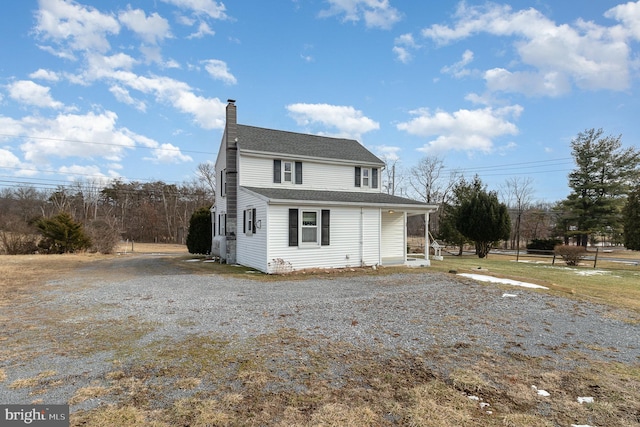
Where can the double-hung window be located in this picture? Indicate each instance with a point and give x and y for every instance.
(309, 227)
(287, 171)
(249, 222)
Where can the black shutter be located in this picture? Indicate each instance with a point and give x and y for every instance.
(298, 172)
(253, 222)
(244, 221)
(324, 238)
(277, 171)
(293, 227)
(357, 176)
(374, 178)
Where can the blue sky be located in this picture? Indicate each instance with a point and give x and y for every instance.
(96, 90)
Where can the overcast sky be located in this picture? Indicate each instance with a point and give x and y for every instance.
(95, 90)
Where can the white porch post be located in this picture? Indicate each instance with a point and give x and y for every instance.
(427, 244)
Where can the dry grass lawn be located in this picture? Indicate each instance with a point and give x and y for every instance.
(287, 379)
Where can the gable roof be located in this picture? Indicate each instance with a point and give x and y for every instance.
(338, 197)
(261, 140)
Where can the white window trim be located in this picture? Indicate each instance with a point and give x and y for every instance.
(291, 171)
(366, 171)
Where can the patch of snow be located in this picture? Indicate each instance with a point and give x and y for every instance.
(588, 399)
(476, 398)
(580, 425)
(590, 272)
(484, 278)
(540, 392)
(191, 260)
(509, 295)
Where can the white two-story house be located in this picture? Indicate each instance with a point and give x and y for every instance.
(290, 201)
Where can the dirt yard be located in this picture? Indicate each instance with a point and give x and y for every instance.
(157, 338)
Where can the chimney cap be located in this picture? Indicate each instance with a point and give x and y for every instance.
(231, 101)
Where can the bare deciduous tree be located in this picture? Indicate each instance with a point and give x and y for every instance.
(518, 193)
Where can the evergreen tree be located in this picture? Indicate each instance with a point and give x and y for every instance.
(448, 230)
(199, 236)
(631, 215)
(599, 183)
(62, 234)
(484, 220)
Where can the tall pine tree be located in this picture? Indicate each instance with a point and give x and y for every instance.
(599, 183)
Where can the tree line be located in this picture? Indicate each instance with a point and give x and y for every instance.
(107, 213)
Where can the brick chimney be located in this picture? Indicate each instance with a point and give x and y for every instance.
(231, 146)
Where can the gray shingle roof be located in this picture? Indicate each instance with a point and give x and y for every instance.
(303, 145)
(336, 196)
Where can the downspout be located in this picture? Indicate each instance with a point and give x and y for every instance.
(361, 238)
(380, 237)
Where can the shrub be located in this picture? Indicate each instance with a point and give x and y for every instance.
(199, 236)
(61, 234)
(104, 235)
(571, 255)
(17, 237)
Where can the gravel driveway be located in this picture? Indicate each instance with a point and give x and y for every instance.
(415, 312)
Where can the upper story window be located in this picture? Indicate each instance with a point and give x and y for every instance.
(287, 171)
(366, 177)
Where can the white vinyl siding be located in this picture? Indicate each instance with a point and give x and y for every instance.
(393, 240)
(258, 172)
(346, 248)
(251, 249)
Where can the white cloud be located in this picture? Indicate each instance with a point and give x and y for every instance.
(209, 8)
(71, 135)
(403, 47)
(92, 171)
(208, 113)
(123, 95)
(376, 13)
(629, 15)
(43, 74)
(168, 153)
(590, 56)
(347, 121)
(152, 29)
(30, 93)
(551, 83)
(458, 69)
(387, 152)
(9, 160)
(88, 136)
(79, 27)
(462, 130)
(219, 71)
(203, 30)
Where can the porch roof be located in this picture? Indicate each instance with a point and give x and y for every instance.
(301, 197)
